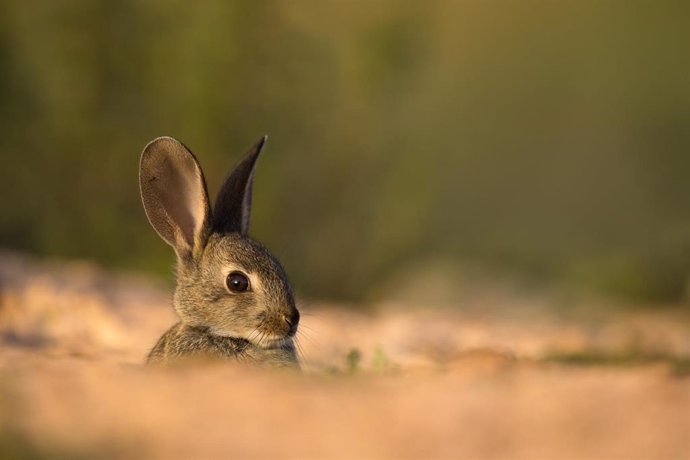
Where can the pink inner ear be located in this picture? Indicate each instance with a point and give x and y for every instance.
(182, 195)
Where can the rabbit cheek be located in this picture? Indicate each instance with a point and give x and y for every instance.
(274, 325)
(236, 316)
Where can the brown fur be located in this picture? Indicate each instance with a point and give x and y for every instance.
(182, 342)
(256, 326)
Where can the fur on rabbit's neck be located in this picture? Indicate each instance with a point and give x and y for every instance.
(223, 342)
(186, 341)
(279, 353)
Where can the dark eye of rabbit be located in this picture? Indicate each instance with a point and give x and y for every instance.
(237, 282)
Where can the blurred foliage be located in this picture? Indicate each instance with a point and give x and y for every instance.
(353, 361)
(678, 365)
(15, 445)
(548, 138)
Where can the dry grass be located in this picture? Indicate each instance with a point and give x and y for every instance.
(402, 382)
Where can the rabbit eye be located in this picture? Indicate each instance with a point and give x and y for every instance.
(237, 282)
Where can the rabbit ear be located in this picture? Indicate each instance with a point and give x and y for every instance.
(234, 201)
(174, 193)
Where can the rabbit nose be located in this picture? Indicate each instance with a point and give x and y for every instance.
(292, 319)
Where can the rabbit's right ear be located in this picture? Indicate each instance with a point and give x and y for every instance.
(174, 193)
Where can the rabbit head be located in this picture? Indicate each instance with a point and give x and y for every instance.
(226, 281)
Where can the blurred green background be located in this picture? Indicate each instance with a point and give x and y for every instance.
(546, 139)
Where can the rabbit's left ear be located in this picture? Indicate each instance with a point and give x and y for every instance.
(234, 201)
(173, 191)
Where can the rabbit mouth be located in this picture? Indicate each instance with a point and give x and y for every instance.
(275, 343)
(259, 337)
(263, 342)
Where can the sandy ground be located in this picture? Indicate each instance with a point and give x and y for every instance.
(499, 377)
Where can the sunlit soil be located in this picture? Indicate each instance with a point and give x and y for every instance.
(494, 378)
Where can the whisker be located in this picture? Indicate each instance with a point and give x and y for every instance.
(252, 335)
(304, 335)
(310, 334)
(300, 351)
(306, 313)
(307, 332)
(249, 336)
(256, 332)
(306, 327)
(261, 338)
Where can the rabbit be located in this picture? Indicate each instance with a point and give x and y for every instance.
(233, 298)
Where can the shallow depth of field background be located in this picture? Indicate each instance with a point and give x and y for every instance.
(468, 192)
(546, 138)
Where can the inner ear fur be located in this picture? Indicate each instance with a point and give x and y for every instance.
(173, 190)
